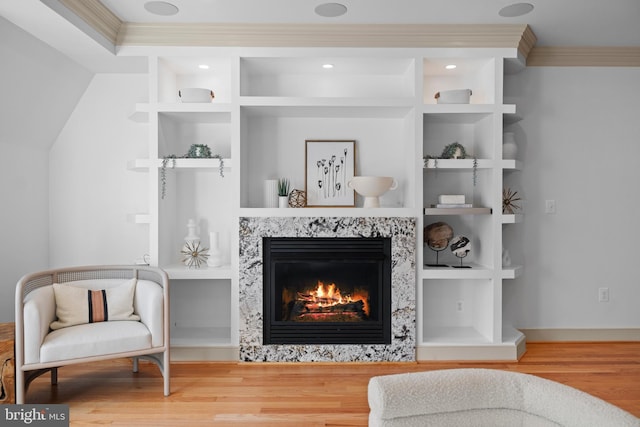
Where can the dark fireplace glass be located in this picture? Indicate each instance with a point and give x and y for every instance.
(332, 291)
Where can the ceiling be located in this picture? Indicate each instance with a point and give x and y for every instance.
(593, 23)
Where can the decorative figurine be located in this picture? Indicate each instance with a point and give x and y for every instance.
(297, 199)
(193, 254)
(508, 201)
(460, 246)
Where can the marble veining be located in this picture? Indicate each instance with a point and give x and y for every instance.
(402, 231)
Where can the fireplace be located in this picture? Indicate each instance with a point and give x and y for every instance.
(401, 231)
(327, 290)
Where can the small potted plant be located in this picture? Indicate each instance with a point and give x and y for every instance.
(453, 151)
(283, 193)
(196, 151)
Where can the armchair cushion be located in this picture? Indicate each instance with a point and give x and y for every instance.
(39, 311)
(79, 305)
(95, 339)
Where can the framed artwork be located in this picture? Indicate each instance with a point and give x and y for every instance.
(329, 165)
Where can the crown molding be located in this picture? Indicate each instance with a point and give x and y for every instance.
(550, 56)
(527, 42)
(517, 36)
(96, 15)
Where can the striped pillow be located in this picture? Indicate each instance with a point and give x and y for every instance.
(79, 305)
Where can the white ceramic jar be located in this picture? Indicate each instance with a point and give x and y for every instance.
(509, 146)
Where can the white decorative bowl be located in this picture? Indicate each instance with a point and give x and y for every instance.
(372, 187)
(460, 96)
(195, 94)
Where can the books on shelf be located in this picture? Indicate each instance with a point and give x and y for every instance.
(451, 199)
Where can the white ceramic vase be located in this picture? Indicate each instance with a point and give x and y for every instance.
(215, 255)
(372, 187)
(506, 258)
(271, 193)
(283, 201)
(509, 146)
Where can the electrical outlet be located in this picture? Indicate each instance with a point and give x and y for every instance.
(459, 305)
(603, 294)
(550, 206)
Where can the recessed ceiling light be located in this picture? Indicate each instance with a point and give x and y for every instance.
(450, 66)
(327, 66)
(516, 9)
(331, 10)
(161, 8)
(203, 66)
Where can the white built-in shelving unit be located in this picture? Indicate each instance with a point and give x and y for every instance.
(460, 309)
(268, 101)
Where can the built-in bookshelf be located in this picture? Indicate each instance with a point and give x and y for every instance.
(267, 103)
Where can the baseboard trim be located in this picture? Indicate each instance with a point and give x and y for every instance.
(205, 354)
(604, 335)
(506, 351)
(510, 352)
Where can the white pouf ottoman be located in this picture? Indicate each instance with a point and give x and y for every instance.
(486, 397)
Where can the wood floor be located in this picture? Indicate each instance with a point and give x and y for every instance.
(309, 394)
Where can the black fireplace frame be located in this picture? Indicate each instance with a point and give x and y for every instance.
(337, 249)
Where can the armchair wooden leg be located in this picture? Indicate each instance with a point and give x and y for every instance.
(135, 364)
(54, 376)
(166, 368)
(20, 385)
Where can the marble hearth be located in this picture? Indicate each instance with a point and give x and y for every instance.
(402, 231)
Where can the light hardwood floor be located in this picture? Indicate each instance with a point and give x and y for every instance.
(303, 394)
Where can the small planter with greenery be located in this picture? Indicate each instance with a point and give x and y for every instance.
(196, 151)
(283, 192)
(454, 150)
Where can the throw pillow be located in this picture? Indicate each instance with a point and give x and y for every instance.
(77, 305)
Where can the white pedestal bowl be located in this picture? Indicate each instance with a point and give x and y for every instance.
(372, 187)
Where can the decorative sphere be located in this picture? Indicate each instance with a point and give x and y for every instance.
(437, 235)
(460, 246)
(297, 199)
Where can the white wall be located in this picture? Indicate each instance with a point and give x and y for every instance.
(580, 142)
(24, 217)
(92, 192)
(40, 88)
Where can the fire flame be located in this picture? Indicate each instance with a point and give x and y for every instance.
(330, 292)
(325, 295)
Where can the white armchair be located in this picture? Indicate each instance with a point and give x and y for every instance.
(50, 332)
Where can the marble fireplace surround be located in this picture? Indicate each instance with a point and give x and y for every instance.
(402, 231)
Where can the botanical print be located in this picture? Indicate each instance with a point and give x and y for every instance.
(329, 167)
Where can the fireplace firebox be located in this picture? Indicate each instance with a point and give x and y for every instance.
(327, 290)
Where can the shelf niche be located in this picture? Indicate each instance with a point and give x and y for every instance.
(477, 74)
(348, 77)
(274, 147)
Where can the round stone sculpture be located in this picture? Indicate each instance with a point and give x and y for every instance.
(460, 246)
(438, 235)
